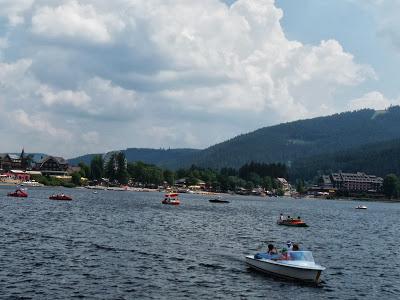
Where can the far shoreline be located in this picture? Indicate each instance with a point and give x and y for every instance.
(353, 199)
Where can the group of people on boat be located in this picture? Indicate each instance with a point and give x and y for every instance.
(274, 254)
(288, 218)
(289, 221)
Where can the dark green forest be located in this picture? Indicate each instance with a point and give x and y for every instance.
(290, 142)
(138, 173)
(171, 158)
(377, 158)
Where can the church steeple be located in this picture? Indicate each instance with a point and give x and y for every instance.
(24, 163)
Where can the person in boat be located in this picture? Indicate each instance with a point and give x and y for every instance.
(272, 250)
(296, 254)
(284, 255)
(288, 218)
(289, 244)
(298, 218)
(281, 217)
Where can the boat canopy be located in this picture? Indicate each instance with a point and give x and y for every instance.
(171, 195)
(301, 256)
(304, 256)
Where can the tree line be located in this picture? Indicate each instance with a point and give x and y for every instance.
(117, 170)
(391, 186)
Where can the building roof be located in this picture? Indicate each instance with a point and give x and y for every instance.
(14, 156)
(356, 177)
(18, 172)
(34, 172)
(326, 179)
(282, 180)
(60, 160)
(180, 181)
(10, 155)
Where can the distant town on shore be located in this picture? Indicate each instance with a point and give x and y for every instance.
(352, 154)
(113, 171)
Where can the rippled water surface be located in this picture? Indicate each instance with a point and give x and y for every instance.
(125, 245)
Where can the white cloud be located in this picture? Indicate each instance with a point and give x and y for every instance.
(202, 70)
(14, 9)
(374, 100)
(50, 98)
(97, 98)
(37, 124)
(75, 20)
(91, 137)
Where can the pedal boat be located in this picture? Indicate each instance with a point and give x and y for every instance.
(292, 222)
(18, 194)
(61, 197)
(300, 266)
(171, 199)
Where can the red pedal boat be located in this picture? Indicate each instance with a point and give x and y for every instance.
(18, 193)
(171, 199)
(60, 197)
(292, 222)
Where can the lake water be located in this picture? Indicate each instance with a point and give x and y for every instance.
(125, 245)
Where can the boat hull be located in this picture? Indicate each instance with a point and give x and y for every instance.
(171, 202)
(218, 201)
(60, 198)
(294, 224)
(17, 195)
(285, 271)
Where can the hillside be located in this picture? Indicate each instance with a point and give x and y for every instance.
(296, 140)
(86, 159)
(169, 158)
(378, 159)
(288, 143)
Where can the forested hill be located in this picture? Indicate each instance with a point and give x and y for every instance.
(86, 159)
(170, 158)
(379, 159)
(294, 141)
(287, 143)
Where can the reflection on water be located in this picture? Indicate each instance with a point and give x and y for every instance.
(128, 245)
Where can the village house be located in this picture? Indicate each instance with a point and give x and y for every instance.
(10, 161)
(283, 184)
(52, 166)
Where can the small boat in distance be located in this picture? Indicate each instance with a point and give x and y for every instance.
(60, 197)
(19, 193)
(218, 200)
(292, 222)
(296, 265)
(361, 207)
(171, 199)
(32, 183)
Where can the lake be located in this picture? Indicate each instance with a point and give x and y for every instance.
(127, 245)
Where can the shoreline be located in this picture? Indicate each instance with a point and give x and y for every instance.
(147, 190)
(354, 199)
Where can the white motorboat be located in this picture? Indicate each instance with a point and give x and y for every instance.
(297, 265)
(361, 207)
(32, 183)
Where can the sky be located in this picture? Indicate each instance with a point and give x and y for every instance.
(90, 76)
